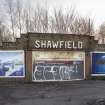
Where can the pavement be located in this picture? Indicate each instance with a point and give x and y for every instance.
(85, 92)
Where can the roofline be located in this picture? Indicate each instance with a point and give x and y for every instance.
(84, 35)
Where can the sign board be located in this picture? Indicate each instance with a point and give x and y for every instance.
(61, 65)
(12, 64)
(58, 44)
(98, 63)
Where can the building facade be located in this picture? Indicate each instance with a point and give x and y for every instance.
(49, 57)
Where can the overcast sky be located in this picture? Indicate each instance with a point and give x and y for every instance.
(94, 9)
(91, 8)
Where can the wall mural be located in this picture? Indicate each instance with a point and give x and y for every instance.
(47, 67)
(12, 64)
(98, 63)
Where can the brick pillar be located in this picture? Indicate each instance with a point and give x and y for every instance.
(28, 66)
(87, 65)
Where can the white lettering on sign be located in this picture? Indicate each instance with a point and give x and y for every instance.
(80, 44)
(61, 44)
(37, 44)
(49, 44)
(55, 44)
(58, 44)
(69, 44)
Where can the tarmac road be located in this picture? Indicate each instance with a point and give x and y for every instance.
(87, 92)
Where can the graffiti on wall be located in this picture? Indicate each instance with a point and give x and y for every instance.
(58, 71)
(57, 65)
(12, 64)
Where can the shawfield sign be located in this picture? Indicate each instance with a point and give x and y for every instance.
(58, 44)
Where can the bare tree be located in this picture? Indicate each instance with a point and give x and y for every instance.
(69, 22)
(40, 19)
(44, 21)
(101, 32)
(37, 20)
(58, 21)
(5, 34)
(19, 10)
(62, 22)
(1, 32)
(83, 26)
(11, 12)
(69, 19)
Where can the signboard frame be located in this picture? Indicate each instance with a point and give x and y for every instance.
(23, 63)
(84, 76)
(96, 74)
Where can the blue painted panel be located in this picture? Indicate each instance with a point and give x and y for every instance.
(98, 63)
(12, 64)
